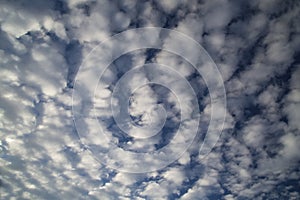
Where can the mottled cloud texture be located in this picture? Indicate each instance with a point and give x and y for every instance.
(43, 154)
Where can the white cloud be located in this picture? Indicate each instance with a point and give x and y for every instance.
(292, 102)
(41, 157)
(169, 5)
(254, 132)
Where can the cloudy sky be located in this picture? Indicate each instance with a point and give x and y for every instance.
(96, 104)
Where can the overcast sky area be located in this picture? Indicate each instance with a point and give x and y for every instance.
(87, 115)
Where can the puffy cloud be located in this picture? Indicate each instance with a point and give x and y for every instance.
(256, 47)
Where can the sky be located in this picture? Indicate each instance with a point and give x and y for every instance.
(138, 100)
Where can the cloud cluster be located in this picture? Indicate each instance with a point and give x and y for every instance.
(255, 46)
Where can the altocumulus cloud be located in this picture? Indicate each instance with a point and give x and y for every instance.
(255, 45)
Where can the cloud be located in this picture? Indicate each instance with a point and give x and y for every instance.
(255, 46)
